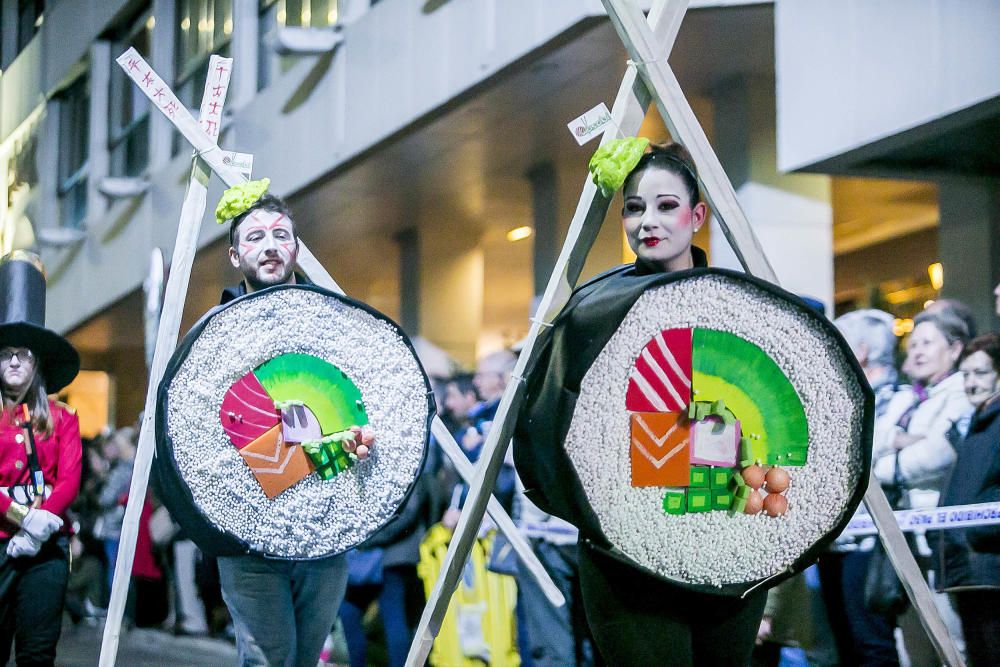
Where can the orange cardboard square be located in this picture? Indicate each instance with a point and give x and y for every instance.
(660, 449)
(277, 465)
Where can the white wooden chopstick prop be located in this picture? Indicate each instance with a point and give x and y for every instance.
(203, 135)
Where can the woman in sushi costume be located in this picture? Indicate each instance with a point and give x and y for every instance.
(636, 617)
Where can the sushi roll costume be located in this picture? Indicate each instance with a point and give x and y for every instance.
(291, 426)
(707, 432)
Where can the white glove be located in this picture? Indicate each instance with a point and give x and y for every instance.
(40, 524)
(23, 544)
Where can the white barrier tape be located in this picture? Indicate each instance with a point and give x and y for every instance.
(932, 518)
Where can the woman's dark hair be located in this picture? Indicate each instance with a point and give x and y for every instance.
(267, 202)
(950, 325)
(672, 157)
(988, 343)
(37, 399)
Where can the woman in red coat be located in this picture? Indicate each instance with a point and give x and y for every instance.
(40, 456)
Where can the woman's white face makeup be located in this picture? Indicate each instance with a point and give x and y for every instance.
(929, 357)
(981, 379)
(659, 220)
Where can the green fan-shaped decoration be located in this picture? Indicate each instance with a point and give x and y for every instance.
(773, 422)
(324, 388)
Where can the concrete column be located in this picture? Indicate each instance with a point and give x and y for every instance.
(98, 159)
(790, 213)
(243, 87)
(8, 24)
(162, 59)
(545, 215)
(409, 280)
(451, 272)
(969, 244)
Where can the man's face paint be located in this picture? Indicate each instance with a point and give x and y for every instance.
(266, 249)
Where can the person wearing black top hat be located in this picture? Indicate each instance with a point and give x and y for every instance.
(40, 459)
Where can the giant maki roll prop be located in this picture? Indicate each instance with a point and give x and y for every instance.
(719, 430)
(291, 423)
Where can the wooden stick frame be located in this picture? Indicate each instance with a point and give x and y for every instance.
(208, 158)
(648, 45)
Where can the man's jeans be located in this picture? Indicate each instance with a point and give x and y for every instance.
(282, 610)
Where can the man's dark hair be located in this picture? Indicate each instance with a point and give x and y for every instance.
(462, 382)
(268, 202)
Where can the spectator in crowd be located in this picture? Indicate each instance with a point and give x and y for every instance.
(119, 454)
(970, 559)
(959, 309)
(386, 570)
(459, 402)
(862, 637)
(491, 378)
(911, 451)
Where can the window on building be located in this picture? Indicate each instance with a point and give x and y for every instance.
(128, 121)
(30, 14)
(276, 14)
(74, 134)
(204, 27)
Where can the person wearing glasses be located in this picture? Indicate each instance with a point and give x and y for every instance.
(40, 463)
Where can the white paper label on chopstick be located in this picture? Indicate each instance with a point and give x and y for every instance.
(590, 124)
(243, 162)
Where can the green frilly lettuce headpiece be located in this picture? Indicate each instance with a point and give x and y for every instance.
(239, 198)
(613, 162)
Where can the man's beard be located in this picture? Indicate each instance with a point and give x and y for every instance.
(251, 272)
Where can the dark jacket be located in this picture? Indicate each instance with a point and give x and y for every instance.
(970, 558)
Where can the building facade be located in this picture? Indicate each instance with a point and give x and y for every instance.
(414, 139)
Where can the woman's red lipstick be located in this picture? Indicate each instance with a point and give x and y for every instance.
(651, 241)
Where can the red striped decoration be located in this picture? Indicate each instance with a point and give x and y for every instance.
(660, 380)
(247, 411)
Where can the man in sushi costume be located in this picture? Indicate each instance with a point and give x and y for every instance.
(282, 610)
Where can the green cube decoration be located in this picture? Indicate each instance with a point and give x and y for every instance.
(699, 477)
(329, 459)
(699, 500)
(719, 478)
(722, 499)
(674, 502)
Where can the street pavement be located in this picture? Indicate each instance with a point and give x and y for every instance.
(81, 647)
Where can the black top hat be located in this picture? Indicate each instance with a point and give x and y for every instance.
(22, 320)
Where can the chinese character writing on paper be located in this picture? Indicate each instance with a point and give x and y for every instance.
(148, 79)
(158, 95)
(214, 111)
(222, 71)
(211, 128)
(133, 63)
(170, 108)
(217, 91)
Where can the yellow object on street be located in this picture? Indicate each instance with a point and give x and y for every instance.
(479, 627)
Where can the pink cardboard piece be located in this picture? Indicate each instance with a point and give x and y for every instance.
(660, 380)
(247, 411)
(299, 424)
(715, 443)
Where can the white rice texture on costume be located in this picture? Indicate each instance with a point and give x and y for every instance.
(717, 548)
(314, 517)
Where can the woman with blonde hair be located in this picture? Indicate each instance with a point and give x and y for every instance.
(40, 462)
